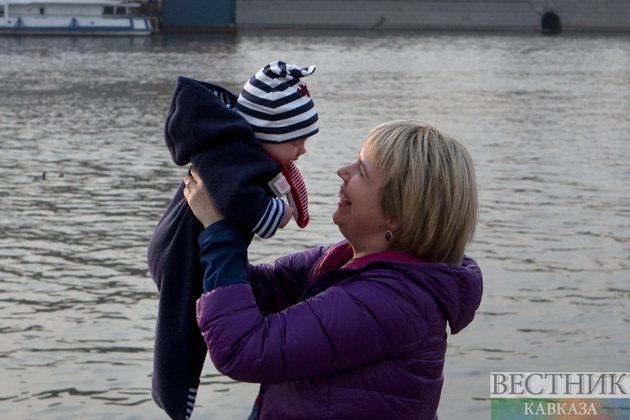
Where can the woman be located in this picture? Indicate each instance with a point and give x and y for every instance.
(356, 330)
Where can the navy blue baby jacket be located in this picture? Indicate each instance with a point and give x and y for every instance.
(201, 128)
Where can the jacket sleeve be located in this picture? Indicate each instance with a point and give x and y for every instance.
(340, 329)
(280, 283)
(276, 285)
(235, 175)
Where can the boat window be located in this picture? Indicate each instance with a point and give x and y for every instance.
(1, 11)
(108, 10)
(41, 10)
(121, 10)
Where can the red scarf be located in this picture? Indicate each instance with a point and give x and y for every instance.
(340, 256)
(297, 195)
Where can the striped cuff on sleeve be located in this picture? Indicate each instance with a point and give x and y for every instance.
(268, 223)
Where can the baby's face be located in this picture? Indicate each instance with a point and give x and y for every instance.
(285, 152)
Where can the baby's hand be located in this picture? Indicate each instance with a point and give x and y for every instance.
(288, 214)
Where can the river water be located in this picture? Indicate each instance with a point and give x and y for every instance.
(85, 177)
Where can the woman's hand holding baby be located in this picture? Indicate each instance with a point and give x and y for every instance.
(199, 200)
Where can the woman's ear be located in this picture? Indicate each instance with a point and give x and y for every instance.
(391, 224)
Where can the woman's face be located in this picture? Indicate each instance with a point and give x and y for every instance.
(358, 212)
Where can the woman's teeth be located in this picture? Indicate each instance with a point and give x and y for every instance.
(344, 198)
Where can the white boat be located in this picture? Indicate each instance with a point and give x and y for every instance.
(72, 17)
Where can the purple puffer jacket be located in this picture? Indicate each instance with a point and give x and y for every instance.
(355, 343)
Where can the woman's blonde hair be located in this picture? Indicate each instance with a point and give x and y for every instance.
(429, 189)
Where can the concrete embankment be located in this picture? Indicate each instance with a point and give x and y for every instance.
(465, 15)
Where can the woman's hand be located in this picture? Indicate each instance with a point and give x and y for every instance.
(199, 200)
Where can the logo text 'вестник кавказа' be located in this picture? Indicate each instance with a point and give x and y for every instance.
(551, 395)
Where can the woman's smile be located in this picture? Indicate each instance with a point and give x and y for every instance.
(343, 198)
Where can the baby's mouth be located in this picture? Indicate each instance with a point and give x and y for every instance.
(344, 198)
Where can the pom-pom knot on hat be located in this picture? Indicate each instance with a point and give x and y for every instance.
(277, 103)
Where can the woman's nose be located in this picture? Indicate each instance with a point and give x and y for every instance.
(343, 172)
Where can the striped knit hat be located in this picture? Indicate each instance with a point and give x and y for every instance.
(277, 103)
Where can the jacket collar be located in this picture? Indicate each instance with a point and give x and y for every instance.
(340, 256)
(457, 289)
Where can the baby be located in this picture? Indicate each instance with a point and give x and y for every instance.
(244, 148)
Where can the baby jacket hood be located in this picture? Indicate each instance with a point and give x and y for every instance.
(200, 113)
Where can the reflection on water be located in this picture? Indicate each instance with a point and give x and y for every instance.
(85, 176)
